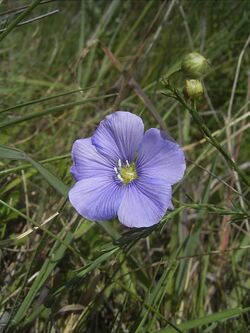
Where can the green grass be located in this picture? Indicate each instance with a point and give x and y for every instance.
(58, 80)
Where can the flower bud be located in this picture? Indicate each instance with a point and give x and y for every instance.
(193, 89)
(194, 66)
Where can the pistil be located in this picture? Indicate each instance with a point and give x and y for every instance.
(125, 173)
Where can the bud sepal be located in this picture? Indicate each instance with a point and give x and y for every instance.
(193, 89)
(194, 66)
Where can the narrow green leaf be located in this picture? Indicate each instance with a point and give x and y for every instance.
(45, 99)
(57, 108)
(50, 263)
(11, 153)
(55, 182)
(216, 317)
(18, 19)
(16, 154)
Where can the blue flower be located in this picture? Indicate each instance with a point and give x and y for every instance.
(122, 171)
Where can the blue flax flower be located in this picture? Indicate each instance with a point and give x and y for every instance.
(122, 171)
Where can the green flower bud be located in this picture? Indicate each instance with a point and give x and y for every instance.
(194, 66)
(193, 89)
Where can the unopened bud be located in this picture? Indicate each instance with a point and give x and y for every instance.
(193, 89)
(194, 65)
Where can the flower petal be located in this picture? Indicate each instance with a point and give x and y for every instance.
(144, 203)
(158, 157)
(118, 136)
(87, 161)
(96, 199)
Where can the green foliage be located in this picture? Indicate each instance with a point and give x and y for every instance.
(58, 79)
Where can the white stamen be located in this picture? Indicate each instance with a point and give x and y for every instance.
(119, 163)
(116, 171)
(120, 177)
(127, 164)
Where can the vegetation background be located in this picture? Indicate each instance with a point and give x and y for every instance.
(64, 66)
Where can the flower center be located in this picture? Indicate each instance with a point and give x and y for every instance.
(126, 173)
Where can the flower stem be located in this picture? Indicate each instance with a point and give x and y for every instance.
(209, 137)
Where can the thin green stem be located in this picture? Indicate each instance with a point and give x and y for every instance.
(209, 137)
(19, 19)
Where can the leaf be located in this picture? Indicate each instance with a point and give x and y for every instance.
(18, 19)
(56, 254)
(11, 153)
(16, 154)
(216, 317)
(61, 107)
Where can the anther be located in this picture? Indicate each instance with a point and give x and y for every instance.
(127, 164)
(119, 163)
(116, 171)
(120, 177)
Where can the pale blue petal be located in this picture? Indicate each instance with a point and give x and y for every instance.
(118, 136)
(160, 158)
(144, 203)
(88, 162)
(96, 199)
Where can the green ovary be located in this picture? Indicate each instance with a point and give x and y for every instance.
(128, 173)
